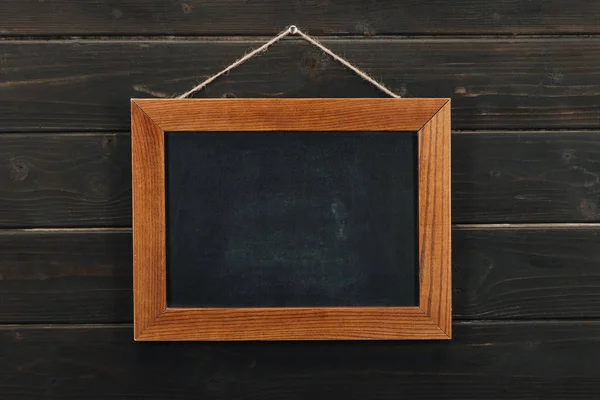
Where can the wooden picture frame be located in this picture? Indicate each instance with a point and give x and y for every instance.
(154, 321)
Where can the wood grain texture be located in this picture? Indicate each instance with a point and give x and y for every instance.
(153, 321)
(531, 272)
(65, 276)
(74, 180)
(149, 241)
(554, 360)
(261, 115)
(493, 83)
(266, 17)
(78, 180)
(542, 87)
(435, 224)
(526, 177)
(320, 323)
(527, 272)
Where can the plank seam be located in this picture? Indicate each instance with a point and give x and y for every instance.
(339, 36)
(508, 131)
(474, 226)
(454, 323)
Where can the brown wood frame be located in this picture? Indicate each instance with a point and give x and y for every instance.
(153, 320)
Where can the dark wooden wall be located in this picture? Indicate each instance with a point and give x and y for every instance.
(524, 78)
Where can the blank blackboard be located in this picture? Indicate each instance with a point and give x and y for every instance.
(291, 219)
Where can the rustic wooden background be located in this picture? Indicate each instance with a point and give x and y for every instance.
(524, 78)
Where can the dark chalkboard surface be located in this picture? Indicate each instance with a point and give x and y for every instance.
(297, 219)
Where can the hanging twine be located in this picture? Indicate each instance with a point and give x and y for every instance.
(291, 30)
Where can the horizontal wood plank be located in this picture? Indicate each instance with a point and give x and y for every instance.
(66, 276)
(505, 177)
(74, 180)
(77, 85)
(526, 272)
(554, 360)
(265, 17)
(498, 273)
(84, 180)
